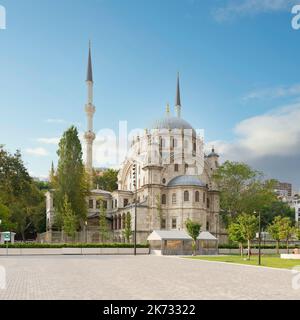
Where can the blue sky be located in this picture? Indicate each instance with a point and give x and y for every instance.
(237, 60)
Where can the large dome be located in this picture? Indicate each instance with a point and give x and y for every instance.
(186, 180)
(171, 123)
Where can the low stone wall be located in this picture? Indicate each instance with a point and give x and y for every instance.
(72, 251)
(253, 251)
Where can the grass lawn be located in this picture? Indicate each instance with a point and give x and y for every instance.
(266, 260)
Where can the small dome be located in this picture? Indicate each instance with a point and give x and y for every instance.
(186, 181)
(171, 123)
(213, 154)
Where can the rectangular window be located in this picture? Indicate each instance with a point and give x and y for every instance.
(174, 198)
(163, 223)
(125, 202)
(174, 223)
(91, 204)
(176, 167)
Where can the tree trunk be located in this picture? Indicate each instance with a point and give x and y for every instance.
(277, 247)
(194, 247)
(241, 250)
(248, 249)
(287, 246)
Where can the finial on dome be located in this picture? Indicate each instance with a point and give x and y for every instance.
(167, 109)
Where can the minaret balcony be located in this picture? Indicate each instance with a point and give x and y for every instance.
(89, 136)
(90, 109)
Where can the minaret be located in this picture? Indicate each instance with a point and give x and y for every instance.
(178, 102)
(90, 109)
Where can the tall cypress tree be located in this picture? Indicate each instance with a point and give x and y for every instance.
(71, 179)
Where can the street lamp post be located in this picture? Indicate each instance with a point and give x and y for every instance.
(135, 205)
(259, 237)
(85, 231)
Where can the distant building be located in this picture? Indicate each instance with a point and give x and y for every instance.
(283, 190)
(295, 203)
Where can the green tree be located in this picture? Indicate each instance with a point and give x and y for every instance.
(274, 209)
(20, 194)
(107, 180)
(69, 218)
(193, 229)
(103, 226)
(127, 232)
(248, 226)
(242, 189)
(274, 230)
(5, 217)
(286, 230)
(71, 178)
(297, 233)
(235, 235)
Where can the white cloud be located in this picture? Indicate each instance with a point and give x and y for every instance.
(274, 93)
(54, 141)
(272, 134)
(269, 142)
(55, 121)
(39, 152)
(238, 8)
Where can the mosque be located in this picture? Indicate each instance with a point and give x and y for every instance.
(166, 173)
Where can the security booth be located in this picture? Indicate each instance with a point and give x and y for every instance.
(6, 237)
(177, 242)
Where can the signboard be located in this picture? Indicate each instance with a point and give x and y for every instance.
(6, 236)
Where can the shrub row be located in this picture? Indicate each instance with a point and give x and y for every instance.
(32, 245)
(255, 246)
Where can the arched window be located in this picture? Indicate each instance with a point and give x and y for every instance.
(186, 196)
(197, 196)
(174, 198)
(163, 180)
(119, 222)
(174, 143)
(207, 226)
(123, 221)
(163, 199)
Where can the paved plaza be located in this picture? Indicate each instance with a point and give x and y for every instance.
(141, 277)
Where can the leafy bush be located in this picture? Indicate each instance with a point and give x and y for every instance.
(255, 246)
(34, 245)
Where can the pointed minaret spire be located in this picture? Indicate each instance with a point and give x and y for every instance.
(178, 100)
(90, 109)
(89, 75)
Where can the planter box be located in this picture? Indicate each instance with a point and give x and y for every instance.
(91, 250)
(72, 250)
(108, 250)
(290, 256)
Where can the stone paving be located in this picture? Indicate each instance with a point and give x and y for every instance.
(141, 277)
